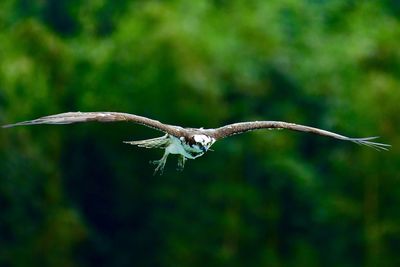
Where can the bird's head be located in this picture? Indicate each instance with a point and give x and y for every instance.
(201, 142)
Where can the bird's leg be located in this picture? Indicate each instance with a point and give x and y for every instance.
(181, 163)
(160, 164)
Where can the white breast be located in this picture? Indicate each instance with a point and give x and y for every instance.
(176, 147)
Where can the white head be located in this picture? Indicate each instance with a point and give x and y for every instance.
(200, 143)
(204, 142)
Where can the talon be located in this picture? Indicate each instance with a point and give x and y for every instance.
(160, 172)
(159, 169)
(181, 163)
(160, 164)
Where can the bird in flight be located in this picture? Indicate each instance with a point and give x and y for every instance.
(188, 143)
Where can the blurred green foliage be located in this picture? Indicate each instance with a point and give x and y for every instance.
(76, 196)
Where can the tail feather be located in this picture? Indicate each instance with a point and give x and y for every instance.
(159, 142)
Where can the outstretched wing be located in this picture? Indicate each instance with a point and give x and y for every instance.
(73, 117)
(241, 127)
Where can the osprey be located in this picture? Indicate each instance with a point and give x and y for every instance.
(188, 143)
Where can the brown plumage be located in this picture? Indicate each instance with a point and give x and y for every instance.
(241, 127)
(188, 142)
(73, 117)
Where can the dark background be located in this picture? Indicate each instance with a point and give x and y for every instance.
(75, 195)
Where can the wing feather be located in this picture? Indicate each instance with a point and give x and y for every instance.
(241, 127)
(73, 117)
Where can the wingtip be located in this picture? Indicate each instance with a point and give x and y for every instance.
(24, 123)
(14, 124)
(375, 145)
(7, 126)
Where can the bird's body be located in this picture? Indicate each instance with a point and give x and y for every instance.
(180, 146)
(188, 143)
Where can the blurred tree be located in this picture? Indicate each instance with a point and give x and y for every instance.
(76, 196)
